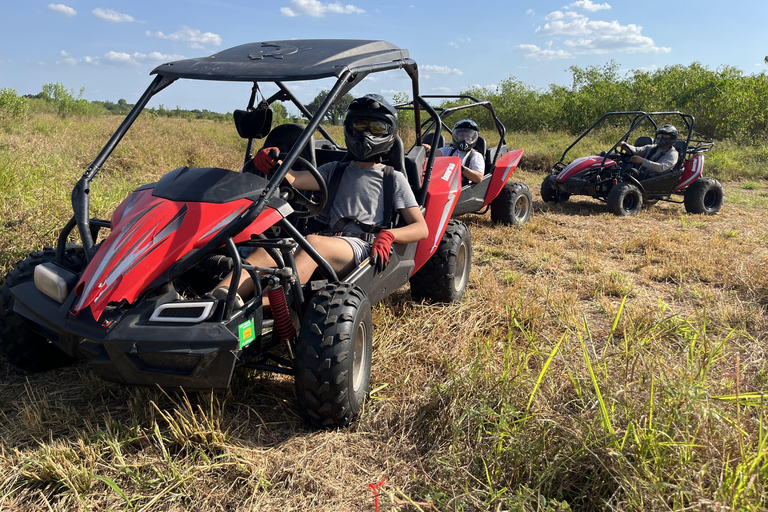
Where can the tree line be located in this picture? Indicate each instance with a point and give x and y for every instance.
(726, 103)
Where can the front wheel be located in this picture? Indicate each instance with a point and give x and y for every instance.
(333, 355)
(625, 199)
(705, 195)
(548, 192)
(513, 205)
(445, 275)
(22, 346)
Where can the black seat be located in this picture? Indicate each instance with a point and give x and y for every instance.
(396, 155)
(430, 137)
(284, 137)
(643, 141)
(481, 147)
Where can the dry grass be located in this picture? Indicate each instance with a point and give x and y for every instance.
(595, 363)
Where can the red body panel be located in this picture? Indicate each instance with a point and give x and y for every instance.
(691, 171)
(442, 196)
(583, 163)
(503, 169)
(150, 235)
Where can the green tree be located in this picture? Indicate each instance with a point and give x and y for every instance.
(335, 114)
(11, 105)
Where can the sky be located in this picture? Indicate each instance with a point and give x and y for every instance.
(107, 48)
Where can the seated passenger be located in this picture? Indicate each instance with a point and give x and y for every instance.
(353, 228)
(465, 134)
(661, 156)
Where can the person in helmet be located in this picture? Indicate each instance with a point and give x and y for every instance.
(351, 228)
(658, 157)
(465, 134)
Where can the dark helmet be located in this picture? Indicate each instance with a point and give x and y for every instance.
(465, 134)
(370, 127)
(666, 135)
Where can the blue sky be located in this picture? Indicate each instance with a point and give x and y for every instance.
(108, 47)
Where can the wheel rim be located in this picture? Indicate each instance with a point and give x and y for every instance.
(521, 207)
(460, 274)
(630, 203)
(710, 199)
(359, 356)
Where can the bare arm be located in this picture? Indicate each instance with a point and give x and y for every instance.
(416, 228)
(302, 180)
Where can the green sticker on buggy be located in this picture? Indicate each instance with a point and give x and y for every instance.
(246, 332)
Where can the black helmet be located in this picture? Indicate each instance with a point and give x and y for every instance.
(465, 134)
(370, 127)
(666, 135)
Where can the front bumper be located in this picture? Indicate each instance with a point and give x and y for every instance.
(131, 349)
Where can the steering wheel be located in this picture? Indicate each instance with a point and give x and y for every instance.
(296, 198)
(622, 151)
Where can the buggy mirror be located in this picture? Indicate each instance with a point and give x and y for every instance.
(253, 124)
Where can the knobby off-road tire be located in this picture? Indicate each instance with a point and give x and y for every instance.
(19, 344)
(625, 199)
(444, 276)
(513, 205)
(549, 194)
(705, 195)
(333, 355)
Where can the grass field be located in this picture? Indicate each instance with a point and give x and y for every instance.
(595, 363)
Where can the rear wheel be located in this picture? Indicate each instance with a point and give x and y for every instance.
(705, 195)
(22, 346)
(333, 355)
(548, 192)
(513, 205)
(445, 275)
(625, 199)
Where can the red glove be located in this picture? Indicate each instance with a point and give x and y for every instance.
(381, 248)
(266, 160)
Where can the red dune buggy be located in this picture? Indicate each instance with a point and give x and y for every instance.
(608, 175)
(134, 303)
(509, 201)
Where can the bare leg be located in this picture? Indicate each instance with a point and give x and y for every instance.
(335, 250)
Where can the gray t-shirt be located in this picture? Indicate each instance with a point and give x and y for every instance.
(361, 194)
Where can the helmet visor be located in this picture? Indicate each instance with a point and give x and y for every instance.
(372, 125)
(465, 135)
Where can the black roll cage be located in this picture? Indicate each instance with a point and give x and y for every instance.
(444, 112)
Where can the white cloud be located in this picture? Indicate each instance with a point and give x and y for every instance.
(587, 5)
(440, 70)
(459, 42)
(118, 58)
(441, 90)
(581, 36)
(110, 15)
(559, 15)
(317, 9)
(62, 9)
(138, 59)
(531, 51)
(191, 36)
(530, 12)
(66, 58)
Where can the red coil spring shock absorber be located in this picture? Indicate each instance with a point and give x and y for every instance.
(280, 312)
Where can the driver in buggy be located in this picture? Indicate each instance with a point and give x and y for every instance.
(465, 134)
(352, 226)
(661, 156)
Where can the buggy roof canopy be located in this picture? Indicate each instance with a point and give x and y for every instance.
(291, 60)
